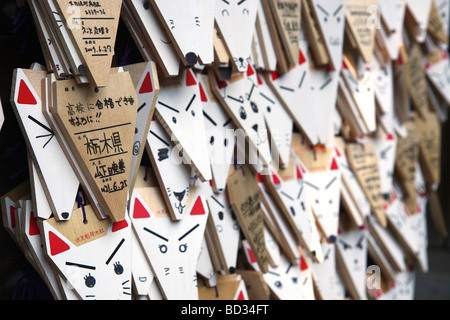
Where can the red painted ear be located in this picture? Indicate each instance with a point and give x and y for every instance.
(139, 211)
(146, 85)
(275, 178)
(241, 296)
(303, 265)
(250, 70)
(190, 79)
(334, 165)
(251, 256)
(302, 58)
(274, 75)
(198, 208)
(25, 95)
(299, 173)
(34, 230)
(202, 94)
(57, 245)
(259, 79)
(259, 178)
(119, 225)
(344, 65)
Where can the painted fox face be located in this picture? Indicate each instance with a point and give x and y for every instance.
(175, 176)
(94, 258)
(41, 140)
(324, 195)
(191, 24)
(243, 100)
(220, 134)
(179, 109)
(236, 21)
(352, 246)
(285, 280)
(172, 247)
(331, 18)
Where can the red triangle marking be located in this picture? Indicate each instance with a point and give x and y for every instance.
(202, 94)
(258, 176)
(274, 75)
(198, 208)
(146, 85)
(25, 95)
(334, 165)
(344, 65)
(362, 227)
(275, 178)
(302, 58)
(259, 80)
(299, 173)
(34, 230)
(444, 55)
(250, 70)
(427, 65)
(390, 136)
(400, 59)
(119, 225)
(190, 79)
(139, 211)
(57, 245)
(221, 84)
(13, 217)
(241, 296)
(251, 256)
(303, 265)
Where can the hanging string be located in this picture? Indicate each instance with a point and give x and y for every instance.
(82, 205)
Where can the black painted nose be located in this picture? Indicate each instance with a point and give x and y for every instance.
(191, 58)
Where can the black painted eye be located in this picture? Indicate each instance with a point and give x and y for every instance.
(325, 19)
(174, 120)
(193, 113)
(183, 247)
(89, 281)
(278, 284)
(294, 279)
(268, 109)
(225, 142)
(220, 215)
(242, 113)
(211, 140)
(118, 269)
(338, 19)
(254, 107)
(163, 248)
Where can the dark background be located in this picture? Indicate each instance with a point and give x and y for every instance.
(19, 48)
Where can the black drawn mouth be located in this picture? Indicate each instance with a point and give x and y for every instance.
(180, 196)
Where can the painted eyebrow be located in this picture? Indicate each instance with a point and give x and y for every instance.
(168, 107)
(40, 124)
(289, 267)
(190, 102)
(266, 97)
(286, 195)
(115, 251)
(226, 1)
(299, 193)
(240, 2)
(159, 138)
(302, 79)
(156, 234)
(330, 183)
(187, 233)
(337, 10)
(325, 84)
(143, 105)
(322, 9)
(79, 265)
(311, 185)
(274, 273)
(209, 118)
(217, 201)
